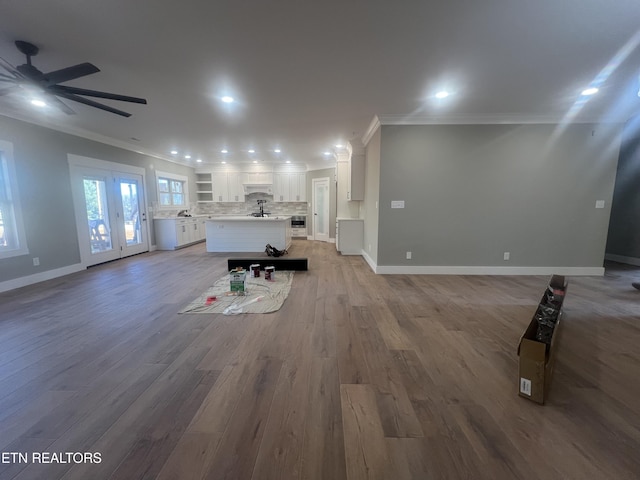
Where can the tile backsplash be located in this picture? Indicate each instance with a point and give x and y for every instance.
(250, 205)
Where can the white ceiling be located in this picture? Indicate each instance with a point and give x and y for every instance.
(307, 75)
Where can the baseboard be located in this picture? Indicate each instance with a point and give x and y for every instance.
(622, 259)
(370, 261)
(40, 277)
(331, 240)
(464, 270)
(487, 270)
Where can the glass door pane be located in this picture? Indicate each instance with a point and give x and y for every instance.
(130, 212)
(321, 209)
(95, 197)
(321, 199)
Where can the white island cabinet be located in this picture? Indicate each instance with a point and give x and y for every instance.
(247, 234)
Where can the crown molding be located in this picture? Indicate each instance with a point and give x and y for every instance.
(79, 132)
(373, 126)
(498, 119)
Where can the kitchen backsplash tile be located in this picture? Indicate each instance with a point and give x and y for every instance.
(239, 208)
(251, 206)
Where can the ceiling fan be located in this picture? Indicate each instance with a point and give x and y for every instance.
(27, 76)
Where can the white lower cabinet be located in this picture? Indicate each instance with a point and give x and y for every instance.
(173, 233)
(349, 235)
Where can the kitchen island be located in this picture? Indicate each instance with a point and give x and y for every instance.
(247, 234)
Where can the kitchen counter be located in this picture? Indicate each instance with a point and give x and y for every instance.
(247, 234)
(245, 218)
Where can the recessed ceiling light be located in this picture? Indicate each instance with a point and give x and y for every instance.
(187, 157)
(38, 103)
(174, 152)
(255, 161)
(589, 91)
(223, 161)
(442, 94)
(227, 99)
(339, 146)
(252, 151)
(277, 150)
(326, 153)
(199, 160)
(288, 161)
(224, 150)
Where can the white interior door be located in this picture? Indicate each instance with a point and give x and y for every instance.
(321, 203)
(110, 214)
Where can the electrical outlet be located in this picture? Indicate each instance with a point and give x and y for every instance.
(507, 255)
(408, 255)
(369, 247)
(36, 261)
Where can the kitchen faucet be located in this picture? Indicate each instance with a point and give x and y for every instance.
(261, 204)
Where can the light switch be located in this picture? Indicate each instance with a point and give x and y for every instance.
(397, 203)
(599, 203)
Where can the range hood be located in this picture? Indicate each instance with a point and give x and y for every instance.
(250, 188)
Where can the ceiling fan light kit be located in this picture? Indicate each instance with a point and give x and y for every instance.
(28, 76)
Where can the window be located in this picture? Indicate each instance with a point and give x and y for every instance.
(172, 190)
(12, 238)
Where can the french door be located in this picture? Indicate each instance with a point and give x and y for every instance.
(321, 209)
(110, 214)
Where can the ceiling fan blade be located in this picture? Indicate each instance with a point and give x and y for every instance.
(10, 68)
(70, 73)
(95, 93)
(61, 105)
(7, 78)
(8, 90)
(91, 103)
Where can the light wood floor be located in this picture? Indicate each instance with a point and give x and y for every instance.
(358, 376)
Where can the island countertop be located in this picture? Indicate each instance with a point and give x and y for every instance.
(245, 218)
(247, 233)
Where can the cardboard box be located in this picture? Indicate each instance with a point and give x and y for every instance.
(537, 358)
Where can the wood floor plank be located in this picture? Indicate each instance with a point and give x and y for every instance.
(280, 454)
(366, 452)
(324, 443)
(238, 446)
(352, 363)
(191, 457)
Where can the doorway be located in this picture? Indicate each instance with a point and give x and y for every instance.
(110, 211)
(321, 202)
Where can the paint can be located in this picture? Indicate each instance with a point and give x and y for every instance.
(255, 270)
(269, 273)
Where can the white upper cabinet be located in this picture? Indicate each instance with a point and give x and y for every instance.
(220, 187)
(281, 187)
(236, 189)
(289, 187)
(216, 186)
(260, 178)
(298, 187)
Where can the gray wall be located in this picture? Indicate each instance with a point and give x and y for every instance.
(44, 185)
(624, 227)
(473, 192)
(331, 174)
(371, 196)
